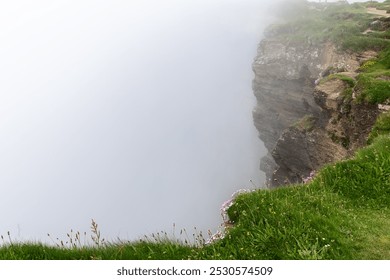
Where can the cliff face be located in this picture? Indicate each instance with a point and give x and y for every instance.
(305, 124)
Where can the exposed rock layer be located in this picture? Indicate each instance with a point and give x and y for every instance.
(303, 124)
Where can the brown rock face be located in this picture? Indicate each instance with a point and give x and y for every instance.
(283, 86)
(297, 153)
(303, 124)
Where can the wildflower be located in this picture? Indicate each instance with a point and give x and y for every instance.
(216, 236)
(220, 234)
(309, 178)
(227, 204)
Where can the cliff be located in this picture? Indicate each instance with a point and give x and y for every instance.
(306, 112)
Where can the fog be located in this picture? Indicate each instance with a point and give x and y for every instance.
(134, 113)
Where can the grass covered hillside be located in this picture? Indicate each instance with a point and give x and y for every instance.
(341, 212)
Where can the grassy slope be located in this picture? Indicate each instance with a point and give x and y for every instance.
(342, 214)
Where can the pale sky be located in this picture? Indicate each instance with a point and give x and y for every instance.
(134, 113)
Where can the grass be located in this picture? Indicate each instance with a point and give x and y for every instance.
(351, 82)
(359, 43)
(344, 25)
(341, 24)
(326, 219)
(341, 213)
(373, 83)
(381, 127)
(385, 5)
(82, 247)
(373, 90)
(380, 34)
(306, 123)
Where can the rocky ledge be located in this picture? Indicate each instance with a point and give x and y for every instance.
(304, 119)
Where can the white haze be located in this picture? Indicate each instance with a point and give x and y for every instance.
(134, 113)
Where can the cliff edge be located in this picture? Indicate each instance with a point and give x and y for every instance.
(307, 112)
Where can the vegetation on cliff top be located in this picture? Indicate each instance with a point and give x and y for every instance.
(374, 80)
(342, 24)
(352, 29)
(342, 212)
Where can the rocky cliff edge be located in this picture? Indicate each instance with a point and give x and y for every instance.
(305, 112)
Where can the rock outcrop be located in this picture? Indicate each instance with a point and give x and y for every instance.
(305, 123)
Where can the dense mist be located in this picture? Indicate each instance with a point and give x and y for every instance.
(134, 113)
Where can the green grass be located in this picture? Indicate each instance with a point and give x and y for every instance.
(306, 123)
(373, 83)
(373, 90)
(343, 213)
(344, 25)
(133, 251)
(326, 219)
(357, 43)
(351, 82)
(382, 34)
(341, 24)
(385, 5)
(381, 127)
